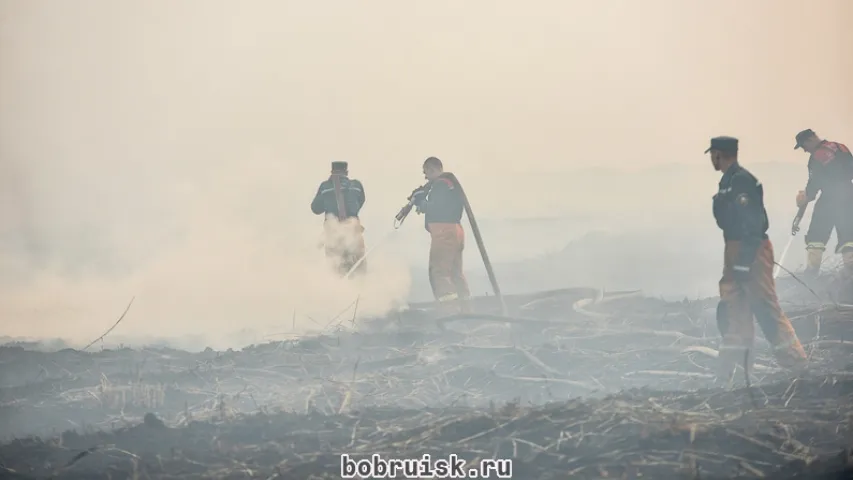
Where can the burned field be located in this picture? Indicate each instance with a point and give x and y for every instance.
(575, 384)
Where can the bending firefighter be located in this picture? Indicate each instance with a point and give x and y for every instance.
(340, 199)
(442, 203)
(747, 287)
(831, 174)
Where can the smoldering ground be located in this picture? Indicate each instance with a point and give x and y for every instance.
(169, 151)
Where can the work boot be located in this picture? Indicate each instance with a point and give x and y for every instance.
(449, 304)
(791, 356)
(730, 365)
(814, 259)
(844, 287)
(847, 256)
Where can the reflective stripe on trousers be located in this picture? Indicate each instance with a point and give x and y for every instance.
(816, 246)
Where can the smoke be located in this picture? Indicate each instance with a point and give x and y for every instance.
(169, 150)
(222, 274)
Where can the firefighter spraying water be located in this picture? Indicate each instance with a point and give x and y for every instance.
(442, 200)
(830, 174)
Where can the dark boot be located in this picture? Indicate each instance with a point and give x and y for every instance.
(814, 259)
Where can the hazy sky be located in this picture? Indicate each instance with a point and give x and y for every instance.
(183, 140)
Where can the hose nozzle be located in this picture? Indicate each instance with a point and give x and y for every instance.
(795, 226)
(404, 212)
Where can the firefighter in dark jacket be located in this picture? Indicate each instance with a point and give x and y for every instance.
(831, 174)
(340, 199)
(442, 203)
(747, 287)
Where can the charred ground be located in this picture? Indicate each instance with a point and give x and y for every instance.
(577, 384)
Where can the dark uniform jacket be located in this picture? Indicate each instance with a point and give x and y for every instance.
(830, 171)
(739, 211)
(441, 201)
(325, 201)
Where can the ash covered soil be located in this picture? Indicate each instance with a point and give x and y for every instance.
(575, 384)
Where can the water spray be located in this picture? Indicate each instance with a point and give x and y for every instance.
(795, 228)
(369, 251)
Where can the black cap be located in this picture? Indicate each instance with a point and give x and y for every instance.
(723, 144)
(339, 166)
(803, 136)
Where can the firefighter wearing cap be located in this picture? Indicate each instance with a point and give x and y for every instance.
(340, 199)
(831, 174)
(442, 203)
(747, 287)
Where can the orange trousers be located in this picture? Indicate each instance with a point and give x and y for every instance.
(449, 285)
(739, 302)
(344, 244)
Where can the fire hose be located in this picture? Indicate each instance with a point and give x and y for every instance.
(795, 228)
(475, 229)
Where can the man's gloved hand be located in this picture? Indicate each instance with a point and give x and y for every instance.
(801, 199)
(418, 197)
(741, 273)
(420, 191)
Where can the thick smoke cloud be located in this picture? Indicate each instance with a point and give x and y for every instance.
(169, 150)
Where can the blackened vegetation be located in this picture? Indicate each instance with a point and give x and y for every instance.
(407, 385)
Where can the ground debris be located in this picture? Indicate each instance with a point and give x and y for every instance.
(656, 434)
(607, 385)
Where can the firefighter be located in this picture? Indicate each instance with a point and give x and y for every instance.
(831, 174)
(340, 199)
(442, 202)
(747, 287)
